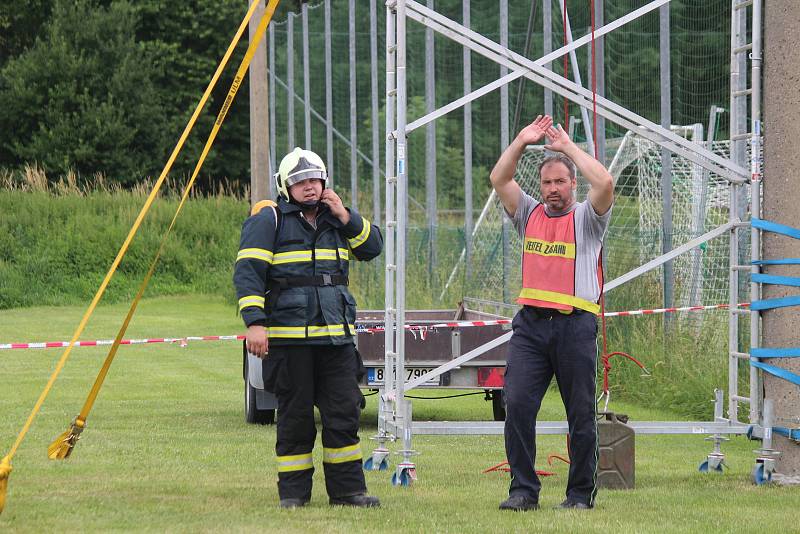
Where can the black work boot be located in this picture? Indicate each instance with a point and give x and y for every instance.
(361, 500)
(293, 503)
(569, 504)
(519, 503)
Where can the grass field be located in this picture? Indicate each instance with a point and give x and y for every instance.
(167, 449)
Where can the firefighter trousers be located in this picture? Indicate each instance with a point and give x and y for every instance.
(325, 376)
(545, 343)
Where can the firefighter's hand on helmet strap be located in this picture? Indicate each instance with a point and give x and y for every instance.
(334, 203)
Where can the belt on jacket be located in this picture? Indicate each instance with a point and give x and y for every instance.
(279, 284)
(302, 281)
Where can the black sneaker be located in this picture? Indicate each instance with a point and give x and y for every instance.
(519, 503)
(361, 501)
(293, 503)
(569, 504)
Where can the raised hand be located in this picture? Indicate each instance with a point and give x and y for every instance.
(535, 131)
(558, 139)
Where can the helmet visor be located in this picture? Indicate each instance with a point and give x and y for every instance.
(306, 174)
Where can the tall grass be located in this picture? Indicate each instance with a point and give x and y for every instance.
(58, 239)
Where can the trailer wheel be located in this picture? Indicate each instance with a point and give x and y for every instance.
(498, 405)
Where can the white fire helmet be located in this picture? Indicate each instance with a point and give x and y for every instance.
(296, 166)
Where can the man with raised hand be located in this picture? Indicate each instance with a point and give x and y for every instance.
(555, 332)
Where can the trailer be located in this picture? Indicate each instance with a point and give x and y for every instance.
(429, 344)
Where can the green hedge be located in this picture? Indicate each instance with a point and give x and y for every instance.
(55, 249)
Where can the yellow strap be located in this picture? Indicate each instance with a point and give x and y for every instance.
(559, 298)
(262, 26)
(137, 223)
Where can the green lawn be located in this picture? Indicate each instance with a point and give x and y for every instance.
(166, 449)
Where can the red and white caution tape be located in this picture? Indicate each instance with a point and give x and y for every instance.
(422, 329)
(419, 327)
(183, 341)
(673, 310)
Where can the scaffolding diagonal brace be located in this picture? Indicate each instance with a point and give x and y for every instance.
(611, 111)
(672, 254)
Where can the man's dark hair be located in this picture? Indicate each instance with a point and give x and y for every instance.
(559, 158)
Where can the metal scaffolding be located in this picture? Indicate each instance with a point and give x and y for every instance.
(395, 420)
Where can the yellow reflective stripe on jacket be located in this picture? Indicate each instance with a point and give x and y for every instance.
(342, 454)
(330, 254)
(251, 300)
(362, 237)
(296, 462)
(333, 330)
(291, 257)
(255, 253)
(299, 256)
(559, 298)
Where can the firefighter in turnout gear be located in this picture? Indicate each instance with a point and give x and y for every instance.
(291, 278)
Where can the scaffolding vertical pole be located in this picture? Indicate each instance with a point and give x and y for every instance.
(666, 155)
(385, 404)
(547, 41)
(274, 165)
(738, 128)
(504, 140)
(328, 96)
(403, 406)
(402, 192)
(290, 81)
(756, 389)
(391, 199)
(306, 81)
(430, 148)
(468, 224)
(373, 69)
(353, 109)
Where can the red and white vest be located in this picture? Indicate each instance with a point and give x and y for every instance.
(548, 263)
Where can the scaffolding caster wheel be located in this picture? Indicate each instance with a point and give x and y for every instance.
(405, 475)
(760, 475)
(713, 464)
(705, 467)
(381, 465)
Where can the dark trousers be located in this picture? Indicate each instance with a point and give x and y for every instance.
(304, 376)
(546, 343)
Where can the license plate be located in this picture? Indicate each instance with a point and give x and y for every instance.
(375, 375)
